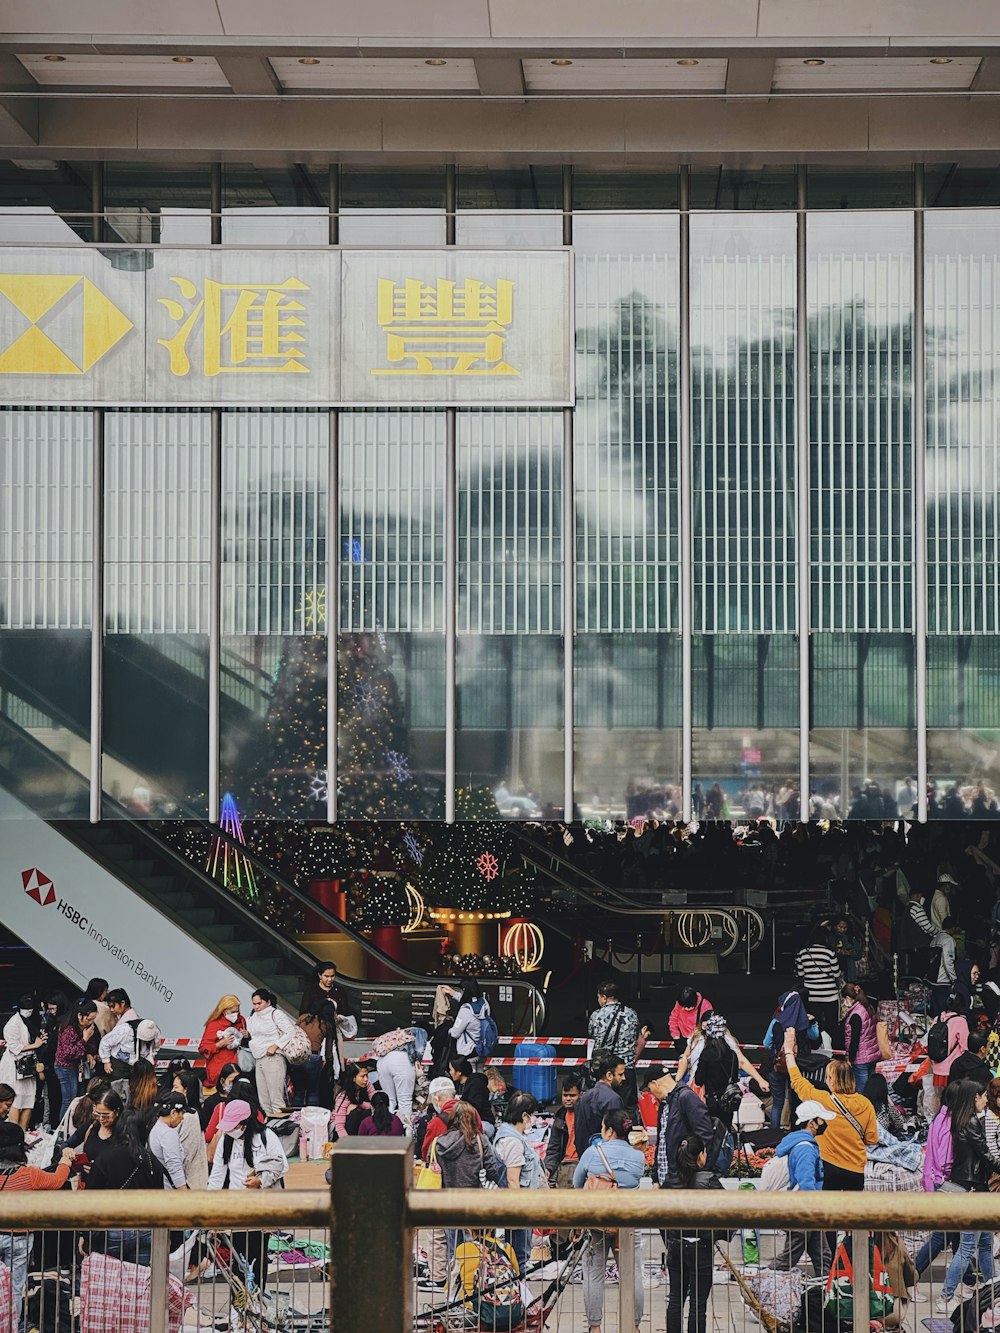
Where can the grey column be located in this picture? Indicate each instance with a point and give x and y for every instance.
(332, 610)
(919, 446)
(97, 615)
(450, 544)
(334, 178)
(98, 232)
(803, 535)
(684, 483)
(215, 202)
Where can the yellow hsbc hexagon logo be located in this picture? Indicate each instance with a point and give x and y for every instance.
(69, 324)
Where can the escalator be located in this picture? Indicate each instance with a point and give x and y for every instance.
(120, 899)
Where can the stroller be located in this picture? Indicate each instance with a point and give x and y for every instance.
(460, 1313)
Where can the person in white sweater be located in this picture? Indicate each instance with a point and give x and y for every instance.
(249, 1157)
(269, 1031)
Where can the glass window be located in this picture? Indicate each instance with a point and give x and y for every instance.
(158, 203)
(859, 187)
(739, 189)
(860, 294)
(156, 573)
(962, 304)
(273, 685)
(745, 656)
(46, 460)
(510, 644)
(627, 650)
(391, 648)
(654, 188)
(402, 207)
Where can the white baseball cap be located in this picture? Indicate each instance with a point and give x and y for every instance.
(812, 1110)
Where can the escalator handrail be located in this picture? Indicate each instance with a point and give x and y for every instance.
(539, 849)
(121, 814)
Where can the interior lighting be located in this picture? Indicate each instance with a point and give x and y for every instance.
(560, 63)
(55, 59)
(814, 62)
(436, 61)
(688, 60)
(183, 60)
(940, 60)
(308, 60)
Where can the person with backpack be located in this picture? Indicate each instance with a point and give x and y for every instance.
(474, 1030)
(613, 1028)
(798, 1155)
(522, 1164)
(944, 979)
(609, 1164)
(939, 1156)
(947, 1039)
(488, 1282)
(119, 1050)
(689, 1254)
(790, 1014)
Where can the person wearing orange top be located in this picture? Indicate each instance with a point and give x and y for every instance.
(16, 1176)
(844, 1146)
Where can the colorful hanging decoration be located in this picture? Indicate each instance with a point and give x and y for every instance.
(224, 862)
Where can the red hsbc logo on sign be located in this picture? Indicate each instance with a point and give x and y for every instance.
(38, 886)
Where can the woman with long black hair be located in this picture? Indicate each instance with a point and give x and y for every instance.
(351, 1095)
(971, 1168)
(76, 1048)
(380, 1122)
(689, 1255)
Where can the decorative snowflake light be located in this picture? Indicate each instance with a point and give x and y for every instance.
(414, 848)
(313, 609)
(488, 866)
(318, 786)
(398, 765)
(367, 699)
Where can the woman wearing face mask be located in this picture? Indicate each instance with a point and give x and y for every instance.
(218, 1045)
(24, 1037)
(249, 1157)
(524, 1166)
(269, 1031)
(210, 1106)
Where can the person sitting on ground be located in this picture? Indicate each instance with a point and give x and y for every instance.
(380, 1121)
(886, 1112)
(352, 1096)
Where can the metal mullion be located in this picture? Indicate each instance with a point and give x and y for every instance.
(450, 607)
(97, 614)
(803, 537)
(214, 610)
(332, 608)
(920, 493)
(685, 391)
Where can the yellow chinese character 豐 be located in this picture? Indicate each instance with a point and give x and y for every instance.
(244, 326)
(445, 328)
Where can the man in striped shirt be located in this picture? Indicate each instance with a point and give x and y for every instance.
(16, 1176)
(817, 968)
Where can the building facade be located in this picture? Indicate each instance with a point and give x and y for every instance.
(745, 563)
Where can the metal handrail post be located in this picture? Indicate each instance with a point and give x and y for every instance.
(861, 1282)
(371, 1243)
(626, 1280)
(159, 1265)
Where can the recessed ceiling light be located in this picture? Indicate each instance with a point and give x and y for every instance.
(688, 60)
(436, 61)
(814, 61)
(560, 62)
(183, 60)
(308, 60)
(55, 58)
(940, 60)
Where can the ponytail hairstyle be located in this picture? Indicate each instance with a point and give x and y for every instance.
(381, 1115)
(688, 1152)
(618, 1122)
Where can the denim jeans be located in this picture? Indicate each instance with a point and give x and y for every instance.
(969, 1243)
(862, 1073)
(15, 1251)
(70, 1084)
(519, 1240)
(305, 1081)
(594, 1264)
(131, 1247)
(778, 1083)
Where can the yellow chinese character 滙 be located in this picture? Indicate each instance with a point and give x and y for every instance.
(445, 328)
(244, 327)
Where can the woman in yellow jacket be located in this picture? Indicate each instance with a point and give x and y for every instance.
(844, 1146)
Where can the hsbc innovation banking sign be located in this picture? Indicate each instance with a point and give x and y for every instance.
(86, 923)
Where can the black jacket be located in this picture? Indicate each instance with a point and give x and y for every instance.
(972, 1165)
(476, 1091)
(590, 1112)
(969, 1065)
(681, 1113)
(558, 1142)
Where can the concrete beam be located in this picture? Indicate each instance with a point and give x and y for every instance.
(987, 79)
(749, 76)
(500, 76)
(249, 75)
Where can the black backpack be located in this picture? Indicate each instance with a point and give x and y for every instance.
(938, 1044)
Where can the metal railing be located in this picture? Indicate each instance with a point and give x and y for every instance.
(374, 1214)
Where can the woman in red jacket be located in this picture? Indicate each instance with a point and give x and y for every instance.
(218, 1046)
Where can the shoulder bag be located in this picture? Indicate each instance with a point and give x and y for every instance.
(605, 1181)
(429, 1176)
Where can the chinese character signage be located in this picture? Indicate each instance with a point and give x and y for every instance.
(270, 327)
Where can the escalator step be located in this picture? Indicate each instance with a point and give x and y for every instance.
(219, 934)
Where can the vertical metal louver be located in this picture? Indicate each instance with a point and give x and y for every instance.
(45, 518)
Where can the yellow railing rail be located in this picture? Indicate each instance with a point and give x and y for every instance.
(96, 1210)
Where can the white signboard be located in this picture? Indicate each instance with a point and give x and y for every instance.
(85, 923)
(154, 325)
